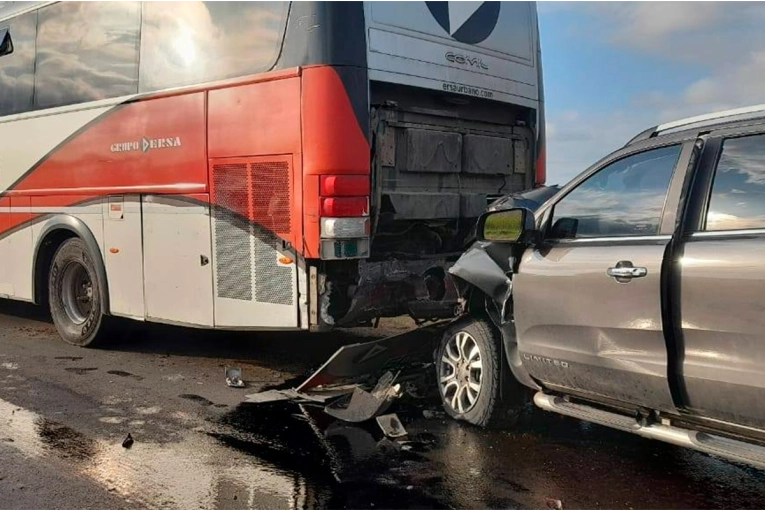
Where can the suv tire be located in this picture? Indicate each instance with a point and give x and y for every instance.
(74, 295)
(472, 382)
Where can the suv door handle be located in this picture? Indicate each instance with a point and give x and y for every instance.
(625, 270)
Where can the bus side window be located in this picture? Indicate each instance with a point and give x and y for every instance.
(189, 43)
(6, 44)
(86, 51)
(17, 64)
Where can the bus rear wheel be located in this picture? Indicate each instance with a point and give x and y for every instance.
(74, 291)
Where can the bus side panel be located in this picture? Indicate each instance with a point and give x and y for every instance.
(254, 141)
(260, 119)
(6, 271)
(20, 249)
(123, 255)
(334, 141)
(178, 273)
(152, 145)
(49, 134)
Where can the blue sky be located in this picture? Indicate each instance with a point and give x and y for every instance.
(612, 69)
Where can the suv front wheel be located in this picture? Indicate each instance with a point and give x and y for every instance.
(471, 380)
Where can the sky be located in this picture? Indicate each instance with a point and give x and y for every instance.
(613, 69)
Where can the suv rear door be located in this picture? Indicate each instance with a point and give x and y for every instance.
(588, 304)
(722, 281)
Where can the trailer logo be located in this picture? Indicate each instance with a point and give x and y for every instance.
(466, 22)
(146, 144)
(465, 60)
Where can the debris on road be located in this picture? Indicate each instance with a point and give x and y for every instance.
(394, 365)
(366, 361)
(386, 446)
(430, 414)
(554, 504)
(234, 377)
(292, 394)
(391, 425)
(364, 405)
(128, 442)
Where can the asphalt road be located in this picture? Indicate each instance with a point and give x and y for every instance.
(65, 411)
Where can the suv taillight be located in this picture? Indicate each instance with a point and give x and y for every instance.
(344, 216)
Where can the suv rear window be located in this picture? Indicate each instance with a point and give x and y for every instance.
(738, 192)
(624, 198)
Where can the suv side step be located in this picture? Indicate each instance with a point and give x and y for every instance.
(731, 449)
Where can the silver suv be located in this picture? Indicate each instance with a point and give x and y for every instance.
(633, 298)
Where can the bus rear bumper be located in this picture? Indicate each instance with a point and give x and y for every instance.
(421, 289)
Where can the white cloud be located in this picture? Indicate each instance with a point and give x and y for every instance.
(686, 31)
(651, 24)
(576, 143)
(724, 41)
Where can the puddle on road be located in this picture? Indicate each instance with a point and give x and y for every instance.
(287, 456)
(290, 456)
(197, 472)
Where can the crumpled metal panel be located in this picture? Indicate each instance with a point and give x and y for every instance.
(425, 206)
(433, 151)
(488, 267)
(488, 155)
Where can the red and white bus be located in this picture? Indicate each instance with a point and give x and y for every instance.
(256, 165)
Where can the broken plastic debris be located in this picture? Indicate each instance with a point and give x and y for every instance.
(234, 377)
(352, 362)
(357, 365)
(554, 504)
(316, 396)
(364, 405)
(128, 442)
(391, 425)
(385, 445)
(429, 414)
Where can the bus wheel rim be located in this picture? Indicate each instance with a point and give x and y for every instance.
(76, 292)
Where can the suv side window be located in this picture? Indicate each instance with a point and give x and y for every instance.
(737, 200)
(625, 198)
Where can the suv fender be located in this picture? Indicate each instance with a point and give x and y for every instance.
(478, 271)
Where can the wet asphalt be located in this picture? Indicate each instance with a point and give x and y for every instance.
(65, 412)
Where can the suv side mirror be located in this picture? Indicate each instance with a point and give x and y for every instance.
(6, 44)
(505, 226)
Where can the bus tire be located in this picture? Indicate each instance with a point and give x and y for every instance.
(74, 295)
(472, 383)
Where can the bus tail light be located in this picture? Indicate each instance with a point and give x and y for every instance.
(344, 216)
(344, 185)
(344, 207)
(541, 166)
(344, 228)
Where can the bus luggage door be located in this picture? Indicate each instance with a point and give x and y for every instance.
(177, 260)
(255, 271)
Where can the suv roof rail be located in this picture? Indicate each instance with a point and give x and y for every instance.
(709, 119)
(713, 118)
(643, 135)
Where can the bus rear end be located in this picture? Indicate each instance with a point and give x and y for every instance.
(256, 165)
(455, 120)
